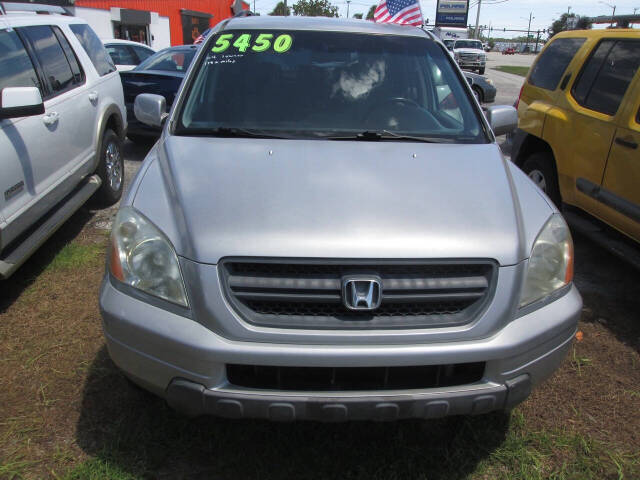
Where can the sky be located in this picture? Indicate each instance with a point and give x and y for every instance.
(512, 14)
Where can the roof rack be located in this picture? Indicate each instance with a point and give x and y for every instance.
(6, 7)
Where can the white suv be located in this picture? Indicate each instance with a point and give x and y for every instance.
(62, 123)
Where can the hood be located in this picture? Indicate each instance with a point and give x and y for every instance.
(469, 50)
(219, 197)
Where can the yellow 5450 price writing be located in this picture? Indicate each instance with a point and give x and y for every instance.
(262, 43)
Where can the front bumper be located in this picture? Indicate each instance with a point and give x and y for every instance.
(471, 64)
(491, 94)
(185, 363)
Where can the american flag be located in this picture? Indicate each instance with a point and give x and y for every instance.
(403, 12)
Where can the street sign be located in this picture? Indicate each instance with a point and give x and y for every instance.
(452, 13)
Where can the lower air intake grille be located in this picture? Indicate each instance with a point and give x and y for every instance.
(353, 378)
(309, 294)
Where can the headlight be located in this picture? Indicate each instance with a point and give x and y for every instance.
(142, 257)
(550, 265)
(489, 81)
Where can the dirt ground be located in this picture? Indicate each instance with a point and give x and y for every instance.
(64, 403)
(67, 412)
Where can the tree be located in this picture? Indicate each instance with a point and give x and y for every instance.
(280, 10)
(371, 11)
(315, 8)
(569, 22)
(357, 15)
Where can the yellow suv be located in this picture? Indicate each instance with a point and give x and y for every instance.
(579, 124)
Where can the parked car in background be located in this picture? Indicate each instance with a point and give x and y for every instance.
(509, 51)
(483, 87)
(126, 54)
(317, 235)
(579, 125)
(62, 122)
(470, 55)
(161, 74)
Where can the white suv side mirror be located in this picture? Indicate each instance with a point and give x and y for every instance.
(150, 109)
(20, 102)
(503, 119)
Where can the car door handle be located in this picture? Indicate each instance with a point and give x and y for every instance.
(93, 97)
(627, 143)
(51, 118)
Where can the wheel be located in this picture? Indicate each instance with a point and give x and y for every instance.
(478, 93)
(481, 70)
(541, 169)
(110, 169)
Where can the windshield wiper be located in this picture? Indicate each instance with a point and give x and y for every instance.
(372, 135)
(230, 132)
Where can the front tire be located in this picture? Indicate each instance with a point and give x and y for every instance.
(481, 70)
(541, 169)
(110, 169)
(478, 93)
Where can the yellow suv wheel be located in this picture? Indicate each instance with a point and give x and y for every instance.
(541, 169)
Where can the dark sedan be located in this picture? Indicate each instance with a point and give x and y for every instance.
(161, 74)
(482, 87)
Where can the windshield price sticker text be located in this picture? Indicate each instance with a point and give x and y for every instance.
(262, 43)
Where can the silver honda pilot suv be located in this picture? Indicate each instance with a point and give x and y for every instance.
(327, 230)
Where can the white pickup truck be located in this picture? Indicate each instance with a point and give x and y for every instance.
(470, 55)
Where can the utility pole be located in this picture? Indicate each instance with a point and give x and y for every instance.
(614, 11)
(568, 10)
(348, 2)
(529, 28)
(478, 19)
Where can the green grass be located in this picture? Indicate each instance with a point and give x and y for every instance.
(513, 69)
(460, 448)
(98, 469)
(559, 454)
(76, 255)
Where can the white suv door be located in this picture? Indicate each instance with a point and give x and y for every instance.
(70, 102)
(40, 151)
(19, 161)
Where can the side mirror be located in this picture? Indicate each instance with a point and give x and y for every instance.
(502, 119)
(469, 80)
(150, 109)
(20, 102)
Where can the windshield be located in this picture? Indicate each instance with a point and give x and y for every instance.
(170, 60)
(468, 44)
(328, 84)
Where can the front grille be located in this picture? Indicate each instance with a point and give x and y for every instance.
(308, 294)
(470, 57)
(353, 378)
